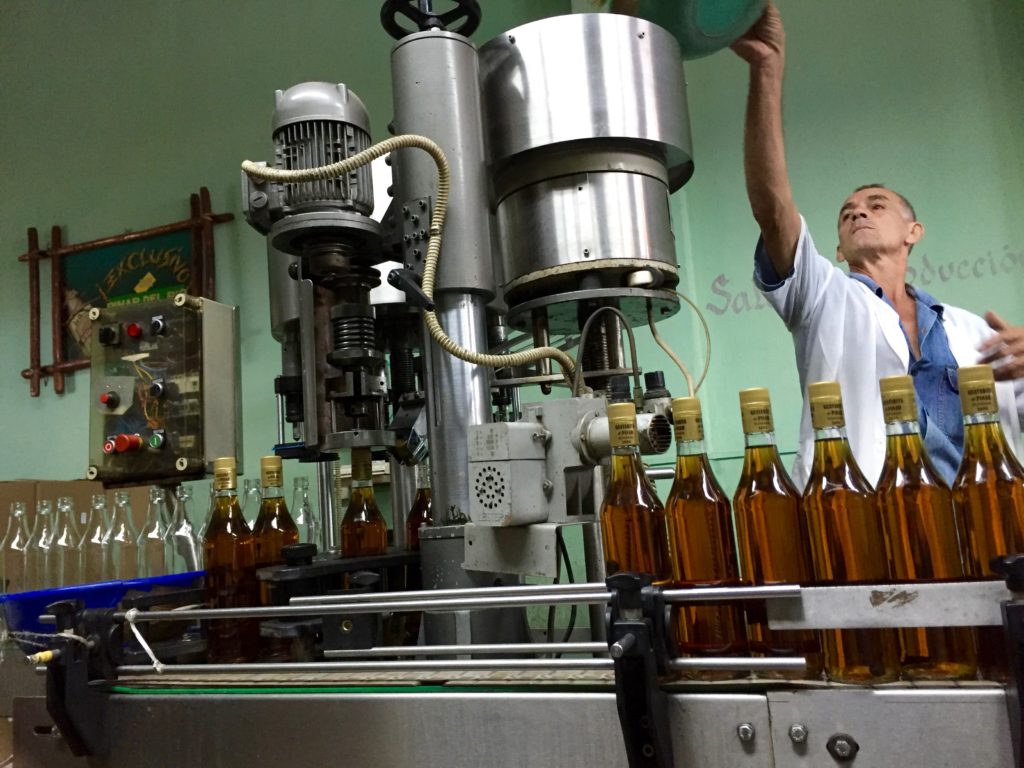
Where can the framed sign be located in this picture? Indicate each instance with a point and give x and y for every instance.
(123, 269)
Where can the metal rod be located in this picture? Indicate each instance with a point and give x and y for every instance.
(776, 591)
(460, 650)
(785, 663)
(532, 589)
(448, 665)
(428, 603)
(325, 499)
(660, 473)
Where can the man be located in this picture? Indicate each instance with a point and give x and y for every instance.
(860, 327)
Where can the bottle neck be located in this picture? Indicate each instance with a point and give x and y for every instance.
(895, 428)
(690, 448)
(830, 433)
(272, 492)
(758, 439)
(980, 418)
(226, 493)
(625, 462)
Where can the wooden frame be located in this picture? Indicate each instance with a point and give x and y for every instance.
(201, 281)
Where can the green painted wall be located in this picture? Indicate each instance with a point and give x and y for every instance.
(114, 111)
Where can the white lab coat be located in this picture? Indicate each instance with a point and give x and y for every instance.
(843, 332)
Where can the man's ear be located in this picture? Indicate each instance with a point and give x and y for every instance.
(915, 234)
(839, 255)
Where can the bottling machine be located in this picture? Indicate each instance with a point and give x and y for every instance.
(529, 218)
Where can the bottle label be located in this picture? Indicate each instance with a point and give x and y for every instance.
(757, 418)
(272, 478)
(622, 432)
(978, 398)
(689, 427)
(362, 464)
(899, 406)
(223, 479)
(827, 413)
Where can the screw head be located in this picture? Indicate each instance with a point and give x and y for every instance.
(842, 747)
(798, 733)
(745, 732)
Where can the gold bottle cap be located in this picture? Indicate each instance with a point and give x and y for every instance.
(756, 410)
(826, 405)
(686, 418)
(224, 476)
(622, 425)
(271, 472)
(977, 389)
(362, 464)
(899, 401)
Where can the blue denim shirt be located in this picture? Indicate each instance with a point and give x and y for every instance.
(934, 373)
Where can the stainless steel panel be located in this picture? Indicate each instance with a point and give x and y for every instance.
(222, 382)
(586, 76)
(955, 727)
(966, 604)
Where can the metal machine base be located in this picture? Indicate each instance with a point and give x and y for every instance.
(899, 725)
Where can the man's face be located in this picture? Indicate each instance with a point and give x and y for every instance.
(874, 222)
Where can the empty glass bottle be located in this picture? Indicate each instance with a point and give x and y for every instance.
(14, 548)
(122, 539)
(95, 547)
(847, 543)
(230, 572)
(988, 494)
(363, 529)
(37, 556)
(250, 500)
(701, 545)
(772, 539)
(182, 549)
(303, 513)
(921, 535)
(66, 552)
(151, 539)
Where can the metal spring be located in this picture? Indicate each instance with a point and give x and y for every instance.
(354, 333)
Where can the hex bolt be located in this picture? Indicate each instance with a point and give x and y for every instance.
(843, 747)
(746, 732)
(798, 733)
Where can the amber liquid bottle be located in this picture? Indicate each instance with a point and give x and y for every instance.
(988, 494)
(274, 527)
(773, 547)
(633, 530)
(701, 546)
(921, 536)
(363, 529)
(230, 562)
(847, 542)
(422, 508)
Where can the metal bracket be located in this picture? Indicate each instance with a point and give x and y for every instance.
(1011, 567)
(637, 641)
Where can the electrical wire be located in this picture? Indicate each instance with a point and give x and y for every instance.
(668, 350)
(578, 378)
(568, 572)
(707, 340)
(370, 154)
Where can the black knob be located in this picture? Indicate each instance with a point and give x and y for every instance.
(107, 335)
(158, 326)
(298, 554)
(619, 389)
(157, 388)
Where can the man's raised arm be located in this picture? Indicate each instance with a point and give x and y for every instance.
(764, 155)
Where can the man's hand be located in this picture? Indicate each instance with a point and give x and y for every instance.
(764, 41)
(1005, 349)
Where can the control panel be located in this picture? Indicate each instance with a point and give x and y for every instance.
(165, 395)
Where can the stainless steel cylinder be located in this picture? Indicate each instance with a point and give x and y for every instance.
(587, 134)
(434, 76)
(403, 491)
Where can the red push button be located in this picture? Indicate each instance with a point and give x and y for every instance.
(124, 443)
(110, 399)
(108, 446)
(134, 330)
